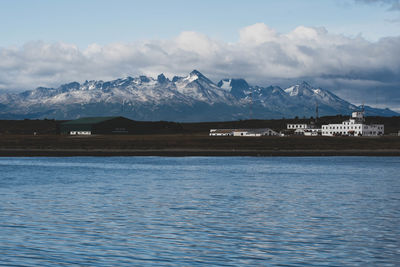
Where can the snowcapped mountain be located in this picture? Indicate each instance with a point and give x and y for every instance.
(190, 98)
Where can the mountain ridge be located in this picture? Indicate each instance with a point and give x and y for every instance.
(190, 98)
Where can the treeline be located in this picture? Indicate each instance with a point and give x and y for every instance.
(49, 126)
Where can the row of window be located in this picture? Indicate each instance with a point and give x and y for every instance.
(355, 133)
(295, 126)
(342, 127)
(349, 127)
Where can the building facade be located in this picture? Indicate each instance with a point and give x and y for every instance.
(355, 126)
(221, 132)
(305, 129)
(243, 132)
(294, 126)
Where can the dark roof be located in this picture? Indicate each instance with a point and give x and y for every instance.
(89, 120)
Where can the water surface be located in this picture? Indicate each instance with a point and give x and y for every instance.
(225, 211)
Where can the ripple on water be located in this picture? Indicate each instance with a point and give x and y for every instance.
(223, 211)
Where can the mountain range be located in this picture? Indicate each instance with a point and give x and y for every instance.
(191, 98)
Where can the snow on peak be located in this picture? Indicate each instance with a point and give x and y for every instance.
(317, 91)
(191, 78)
(291, 90)
(225, 84)
(195, 87)
(300, 89)
(197, 75)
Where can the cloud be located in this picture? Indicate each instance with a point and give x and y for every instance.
(352, 67)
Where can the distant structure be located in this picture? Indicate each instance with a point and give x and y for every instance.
(97, 125)
(304, 129)
(117, 125)
(310, 129)
(303, 126)
(295, 126)
(243, 132)
(221, 132)
(355, 126)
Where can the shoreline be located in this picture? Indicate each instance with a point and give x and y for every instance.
(194, 145)
(14, 152)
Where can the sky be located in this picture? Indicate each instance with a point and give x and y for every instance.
(351, 47)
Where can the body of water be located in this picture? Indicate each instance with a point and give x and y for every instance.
(222, 211)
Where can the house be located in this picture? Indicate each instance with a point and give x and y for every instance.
(243, 132)
(312, 132)
(254, 132)
(221, 132)
(355, 126)
(305, 129)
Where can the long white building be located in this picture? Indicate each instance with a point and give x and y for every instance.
(355, 126)
(243, 132)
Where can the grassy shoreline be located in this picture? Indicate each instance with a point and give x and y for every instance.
(195, 145)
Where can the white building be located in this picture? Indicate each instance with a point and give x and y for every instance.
(312, 132)
(294, 126)
(305, 129)
(254, 132)
(243, 132)
(355, 126)
(221, 132)
(80, 132)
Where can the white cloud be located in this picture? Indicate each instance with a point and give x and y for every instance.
(257, 34)
(261, 55)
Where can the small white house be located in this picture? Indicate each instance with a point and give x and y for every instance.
(305, 129)
(312, 132)
(80, 132)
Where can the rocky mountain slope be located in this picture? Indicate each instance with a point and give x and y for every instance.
(190, 98)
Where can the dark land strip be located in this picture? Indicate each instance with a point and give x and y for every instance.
(187, 153)
(195, 145)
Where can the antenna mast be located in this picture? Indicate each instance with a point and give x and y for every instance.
(251, 104)
(363, 112)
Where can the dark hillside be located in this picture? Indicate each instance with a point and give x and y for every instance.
(28, 127)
